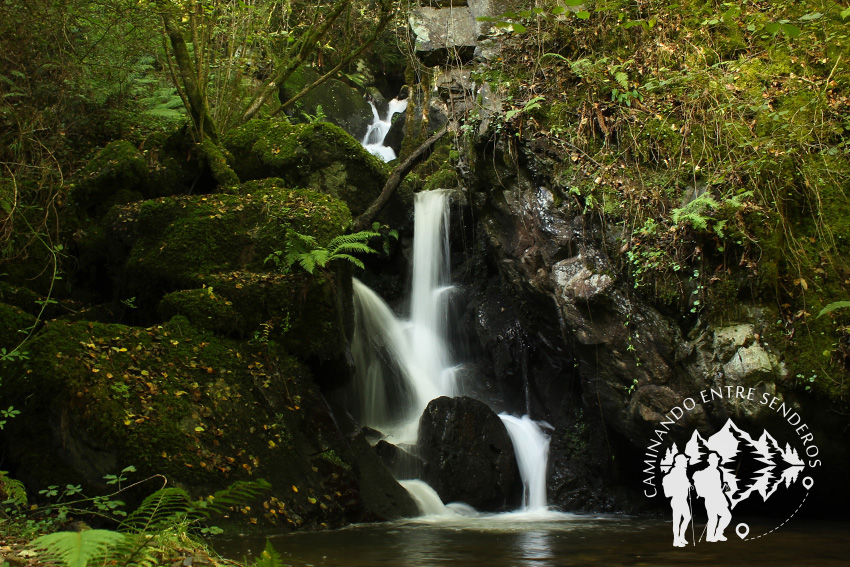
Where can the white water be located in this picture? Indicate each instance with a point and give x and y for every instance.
(378, 129)
(531, 446)
(401, 366)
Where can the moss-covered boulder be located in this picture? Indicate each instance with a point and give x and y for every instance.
(320, 156)
(118, 174)
(333, 101)
(14, 326)
(202, 410)
(173, 242)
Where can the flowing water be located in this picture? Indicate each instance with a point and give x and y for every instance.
(401, 365)
(378, 129)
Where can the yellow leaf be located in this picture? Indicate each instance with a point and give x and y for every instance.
(311, 500)
(95, 370)
(145, 373)
(294, 488)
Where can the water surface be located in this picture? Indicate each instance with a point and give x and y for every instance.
(547, 540)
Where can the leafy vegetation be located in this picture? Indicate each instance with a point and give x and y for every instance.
(305, 251)
(711, 139)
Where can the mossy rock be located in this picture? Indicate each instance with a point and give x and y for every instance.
(173, 242)
(13, 321)
(203, 308)
(201, 410)
(340, 104)
(306, 314)
(118, 174)
(320, 156)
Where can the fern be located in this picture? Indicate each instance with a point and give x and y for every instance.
(305, 251)
(694, 213)
(163, 507)
(269, 557)
(13, 489)
(833, 306)
(166, 513)
(77, 549)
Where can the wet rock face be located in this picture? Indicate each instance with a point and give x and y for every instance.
(559, 330)
(468, 454)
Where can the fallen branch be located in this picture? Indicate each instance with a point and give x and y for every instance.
(365, 220)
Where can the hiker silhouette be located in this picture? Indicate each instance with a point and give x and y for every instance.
(677, 487)
(711, 485)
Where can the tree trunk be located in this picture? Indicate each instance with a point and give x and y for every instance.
(198, 109)
(365, 220)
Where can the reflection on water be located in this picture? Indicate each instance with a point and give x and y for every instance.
(545, 540)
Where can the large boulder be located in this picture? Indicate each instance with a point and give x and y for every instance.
(468, 454)
(333, 101)
(320, 156)
(172, 243)
(201, 410)
(118, 174)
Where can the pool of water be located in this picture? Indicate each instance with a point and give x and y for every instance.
(547, 540)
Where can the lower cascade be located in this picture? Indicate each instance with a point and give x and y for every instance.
(402, 365)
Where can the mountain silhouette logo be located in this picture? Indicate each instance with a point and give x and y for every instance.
(709, 477)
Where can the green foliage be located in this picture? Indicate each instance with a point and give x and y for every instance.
(78, 549)
(160, 517)
(833, 306)
(696, 212)
(269, 557)
(12, 490)
(305, 251)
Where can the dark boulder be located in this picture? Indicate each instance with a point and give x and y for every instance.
(468, 454)
(399, 461)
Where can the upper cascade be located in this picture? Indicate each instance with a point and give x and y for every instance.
(378, 129)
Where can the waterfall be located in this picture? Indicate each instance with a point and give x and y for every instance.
(378, 129)
(531, 446)
(401, 366)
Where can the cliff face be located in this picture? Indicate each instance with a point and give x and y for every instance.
(647, 225)
(558, 329)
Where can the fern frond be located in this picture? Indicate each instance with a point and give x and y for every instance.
(237, 493)
(351, 247)
(77, 549)
(307, 261)
(269, 557)
(356, 261)
(163, 507)
(361, 236)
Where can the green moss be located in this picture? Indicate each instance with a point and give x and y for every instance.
(203, 308)
(118, 166)
(177, 240)
(169, 399)
(218, 160)
(300, 312)
(320, 156)
(14, 326)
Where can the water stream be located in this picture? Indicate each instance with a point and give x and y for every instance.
(378, 129)
(401, 366)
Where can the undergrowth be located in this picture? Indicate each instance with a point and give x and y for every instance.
(710, 140)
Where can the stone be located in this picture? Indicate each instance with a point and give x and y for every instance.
(399, 461)
(333, 101)
(444, 35)
(468, 454)
(201, 410)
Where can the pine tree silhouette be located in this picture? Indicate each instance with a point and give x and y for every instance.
(748, 465)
